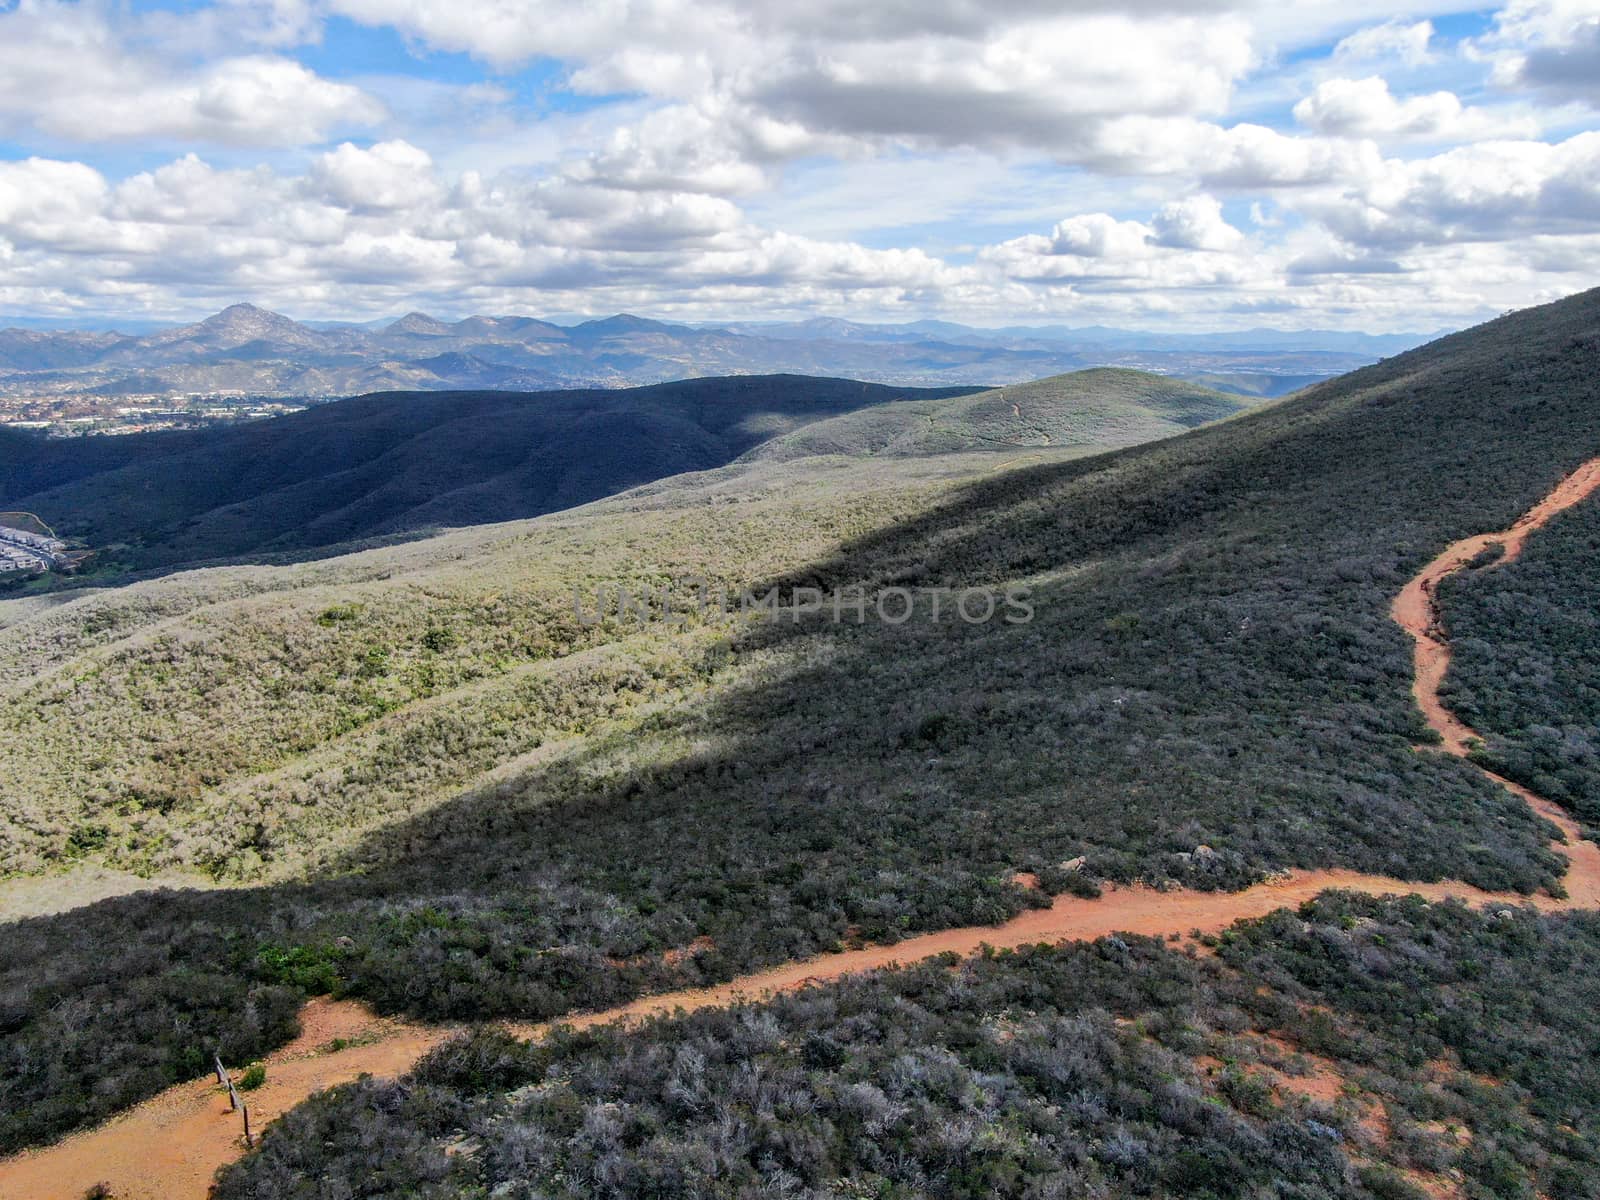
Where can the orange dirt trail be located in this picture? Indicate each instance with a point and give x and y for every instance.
(169, 1147)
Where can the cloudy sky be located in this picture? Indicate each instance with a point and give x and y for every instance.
(1154, 163)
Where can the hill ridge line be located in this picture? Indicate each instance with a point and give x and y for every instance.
(170, 1146)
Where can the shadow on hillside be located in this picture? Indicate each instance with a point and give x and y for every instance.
(1211, 689)
(1211, 664)
(368, 468)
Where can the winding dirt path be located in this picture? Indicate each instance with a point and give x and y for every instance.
(169, 1147)
(1416, 607)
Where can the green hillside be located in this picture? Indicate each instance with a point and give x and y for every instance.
(458, 800)
(1091, 410)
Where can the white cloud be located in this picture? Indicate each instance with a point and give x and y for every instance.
(1394, 39)
(1192, 223)
(1492, 192)
(189, 191)
(227, 25)
(508, 34)
(381, 222)
(728, 175)
(1543, 22)
(1099, 235)
(66, 72)
(1244, 156)
(1366, 108)
(1195, 223)
(389, 175)
(955, 74)
(1044, 84)
(1550, 46)
(714, 147)
(1186, 245)
(39, 197)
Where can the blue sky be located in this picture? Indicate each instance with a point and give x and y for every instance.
(1210, 164)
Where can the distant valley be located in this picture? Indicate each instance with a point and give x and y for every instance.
(247, 362)
(394, 464)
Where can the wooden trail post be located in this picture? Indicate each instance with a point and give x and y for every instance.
(226, 1081)
(234, 1104)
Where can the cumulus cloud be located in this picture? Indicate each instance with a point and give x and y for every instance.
(715, 146)
(1571, 68)
(1366, 108)
(1315, 265)
(1568, 68)
(1042, 84)
(67, 72)
(1546, 46)
(955, 73)
(384, 177)
(1494, 191)
(1255, 156)
(382, 221)
(1194, 223)
(1100, 235)
(682, 181)
(1542, 22)
(1186, 244)
(509, 34)
(41, 199)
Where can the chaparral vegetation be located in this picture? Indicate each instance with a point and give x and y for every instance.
(426, 785)
(1355, 1048)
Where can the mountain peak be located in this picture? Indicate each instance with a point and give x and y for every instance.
(420, 324)
(236, 314)
(235, 326)
(622, 323)
(248, 320)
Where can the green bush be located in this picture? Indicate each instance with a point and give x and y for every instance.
(312, 969)
(338, 614)
(438, 639)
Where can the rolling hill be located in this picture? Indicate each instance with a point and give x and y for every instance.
(1097, 409)
(430, 784)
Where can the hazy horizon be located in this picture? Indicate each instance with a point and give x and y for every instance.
(135, 326)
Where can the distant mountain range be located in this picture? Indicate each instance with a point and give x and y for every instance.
(248, 350)
(1091, 337)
